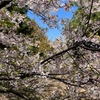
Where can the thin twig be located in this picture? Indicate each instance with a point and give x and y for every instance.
(89, 17)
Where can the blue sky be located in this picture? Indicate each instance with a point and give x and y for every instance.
(53, 33)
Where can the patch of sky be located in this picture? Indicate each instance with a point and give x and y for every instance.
(53, 33)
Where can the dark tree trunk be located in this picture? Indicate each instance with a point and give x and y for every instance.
(3, 3)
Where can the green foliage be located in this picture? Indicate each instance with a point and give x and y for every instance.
(6, 24)
(34, 49)
(95, 16)
(39, 37)
(42, 54)
(24, 28)
(14, 7)
(79, 16)
(75, 22)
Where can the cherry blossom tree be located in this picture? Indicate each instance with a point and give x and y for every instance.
(34, 68)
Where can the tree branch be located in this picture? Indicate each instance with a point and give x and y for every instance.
(63, 81)
(62, 52)
(95, 47)
(89, 17)
(14, 92)
(6, 79)
(91, 49)
(3, 3)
